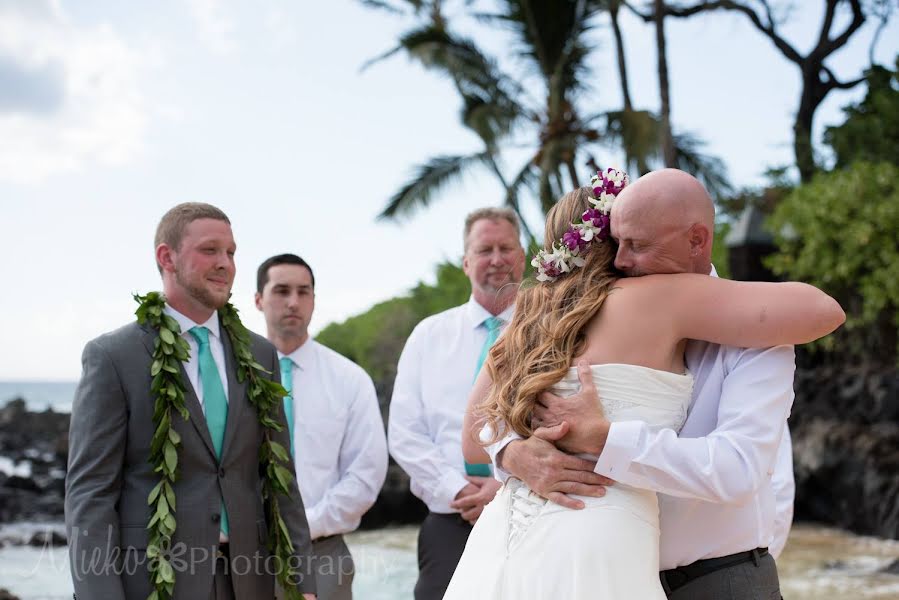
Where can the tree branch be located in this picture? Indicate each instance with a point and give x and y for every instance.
(827, 46)
(768, 29)
(831, 82)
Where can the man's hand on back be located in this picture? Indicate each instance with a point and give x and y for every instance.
(587, 427)
(550, 472)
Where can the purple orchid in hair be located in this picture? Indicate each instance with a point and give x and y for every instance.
(574, 239)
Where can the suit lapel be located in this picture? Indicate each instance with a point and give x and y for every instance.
(237, 393)
(191, 402)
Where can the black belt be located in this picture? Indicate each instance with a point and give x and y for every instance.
(224, 551)
(673, 579)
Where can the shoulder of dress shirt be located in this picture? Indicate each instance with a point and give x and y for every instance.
(449, 318)
(735, 357)
(338, 363)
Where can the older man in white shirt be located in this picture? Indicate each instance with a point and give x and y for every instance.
(337, 435)
(725, 482)
(436, 371)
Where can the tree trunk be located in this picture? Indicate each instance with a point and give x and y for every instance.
(614, 5)
(572, 172)
(813, 93)
(667, 140)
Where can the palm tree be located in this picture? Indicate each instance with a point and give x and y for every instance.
(542, 103)
(549, 38)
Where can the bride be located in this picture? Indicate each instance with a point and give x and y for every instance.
(633, 331)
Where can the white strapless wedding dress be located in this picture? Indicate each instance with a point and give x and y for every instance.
(525, 547)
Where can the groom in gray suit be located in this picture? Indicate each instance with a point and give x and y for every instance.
(219, 547)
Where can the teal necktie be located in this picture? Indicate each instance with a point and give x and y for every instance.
(215, 403)
(493, 325)
(287, 383)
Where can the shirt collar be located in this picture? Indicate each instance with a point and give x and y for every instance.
(304, 356)
(477, 314)
(186, 324)
(714, 271)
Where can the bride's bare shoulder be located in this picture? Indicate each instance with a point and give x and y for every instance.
(650, 286)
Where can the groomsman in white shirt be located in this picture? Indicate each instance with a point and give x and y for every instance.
(337, 435)
(725, 481)
(436, 371)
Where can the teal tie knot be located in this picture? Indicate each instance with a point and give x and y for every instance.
(493, 324)
(287, 383)
(201, 334)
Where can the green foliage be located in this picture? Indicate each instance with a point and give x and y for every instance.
(375, 339)
(838, 232)
(719, 250)
(871, 130)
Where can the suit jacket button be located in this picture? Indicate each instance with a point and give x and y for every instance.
(221, 473)
(216, 518)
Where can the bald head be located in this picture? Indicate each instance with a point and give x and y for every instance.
(668, 195)
(664, 223)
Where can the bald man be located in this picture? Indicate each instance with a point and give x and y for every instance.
(725, 482)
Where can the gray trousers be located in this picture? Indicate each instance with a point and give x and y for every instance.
(441, 541)
(334, 570)
(221, 582)
(745, 581)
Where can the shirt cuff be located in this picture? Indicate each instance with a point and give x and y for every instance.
(450, 485)
(620, 448)
(494, 449)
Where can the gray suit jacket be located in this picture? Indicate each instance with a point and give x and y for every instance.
(109, 479)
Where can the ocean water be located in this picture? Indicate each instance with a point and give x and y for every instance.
(819, 562)
(40, 395)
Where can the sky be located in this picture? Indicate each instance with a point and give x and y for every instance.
(113, 112)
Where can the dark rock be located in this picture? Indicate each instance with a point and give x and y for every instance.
(12, 412)
(22, 483)
(7, 595)
(845, 426)
(892, 568)
(43, 539)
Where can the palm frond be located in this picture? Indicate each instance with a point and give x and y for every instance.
(428, 180)
(415, 5)
(637, 132)
(710, 170)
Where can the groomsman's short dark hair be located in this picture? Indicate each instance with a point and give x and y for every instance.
(280, 259)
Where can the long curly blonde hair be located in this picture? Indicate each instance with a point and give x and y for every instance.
(547, 330)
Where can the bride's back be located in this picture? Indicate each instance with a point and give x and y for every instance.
(633, 327)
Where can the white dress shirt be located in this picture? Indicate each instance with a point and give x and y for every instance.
(725, 482)
(216, 347)
(434, 378)
(338, 436)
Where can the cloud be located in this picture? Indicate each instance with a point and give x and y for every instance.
(37, 89)
(215, 28)
(70, 94)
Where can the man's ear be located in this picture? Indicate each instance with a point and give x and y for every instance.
(700, 240)
(164, 258)
(258, 298)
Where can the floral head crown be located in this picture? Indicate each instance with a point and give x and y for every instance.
(568, 252)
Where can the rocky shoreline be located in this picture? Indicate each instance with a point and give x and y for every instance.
(33, 455)
(845, 424)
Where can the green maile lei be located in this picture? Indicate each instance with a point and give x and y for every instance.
(170, 350)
